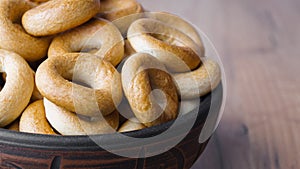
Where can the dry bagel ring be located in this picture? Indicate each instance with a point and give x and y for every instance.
(68, 123)
(180, 24)
(169, 45)
(33, 119)
(199, 82)
(131, 125)
(18, 88)
(115, 9)
(100, 35)
(57, 16)
(140, 73)
(104, 93)
(36, 95)
(13, 37)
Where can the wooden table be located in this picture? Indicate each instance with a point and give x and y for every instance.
(259, 44)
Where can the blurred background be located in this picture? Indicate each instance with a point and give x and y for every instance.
(259, 44)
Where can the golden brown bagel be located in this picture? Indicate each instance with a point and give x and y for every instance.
(141, 74)
(14, 126)
(115, 9)
(180, 24)
(33, 119)
(100, 36)
(57, 16)
(13, 37)
(56, 77)
(68, 123)
(18, 87)
(169, 45)
(200, 81)
(131, 125)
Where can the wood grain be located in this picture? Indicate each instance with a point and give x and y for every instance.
(259, 44)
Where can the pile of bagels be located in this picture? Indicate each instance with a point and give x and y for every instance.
(81, 67)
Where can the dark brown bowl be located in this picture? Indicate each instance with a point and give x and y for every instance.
(31, 151)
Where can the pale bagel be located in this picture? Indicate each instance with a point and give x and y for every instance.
(180, 24)
(169, 45)
(186, 106)
(57, 16)
(131, 125)
(13, 37)
(199, 82)
(103, 92)
(68, 123)
(98, 37)
(141, 74)
(36, 95)
(115, 9)
(18, 87)
(33, 119)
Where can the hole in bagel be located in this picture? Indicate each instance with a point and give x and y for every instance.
(91, 50)
(76, 81)
(2, 80)
(167, 39)
(80, 83)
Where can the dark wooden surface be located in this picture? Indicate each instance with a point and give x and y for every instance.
(259, 44)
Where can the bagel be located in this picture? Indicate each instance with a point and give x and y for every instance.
(33, 119)
(68, 123)
(16, 93)
(100, 35)
(57, 16)
(180, 24)
(131, 125)
(14, 126)
(36, 95)
(13, 37)
(80, 83)
(124, 23)
(186, 106)
(199, 82)
(115, 9)
(169, 45)
(141, 74)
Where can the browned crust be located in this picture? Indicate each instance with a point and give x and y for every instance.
(13, 36)
(102, 95)
(98, 36)
(57, 16)
(33, 119)
(115, 9)
(142, 82)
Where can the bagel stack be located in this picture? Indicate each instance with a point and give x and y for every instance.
(73, 67)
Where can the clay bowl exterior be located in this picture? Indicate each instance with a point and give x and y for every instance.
(30, 151)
